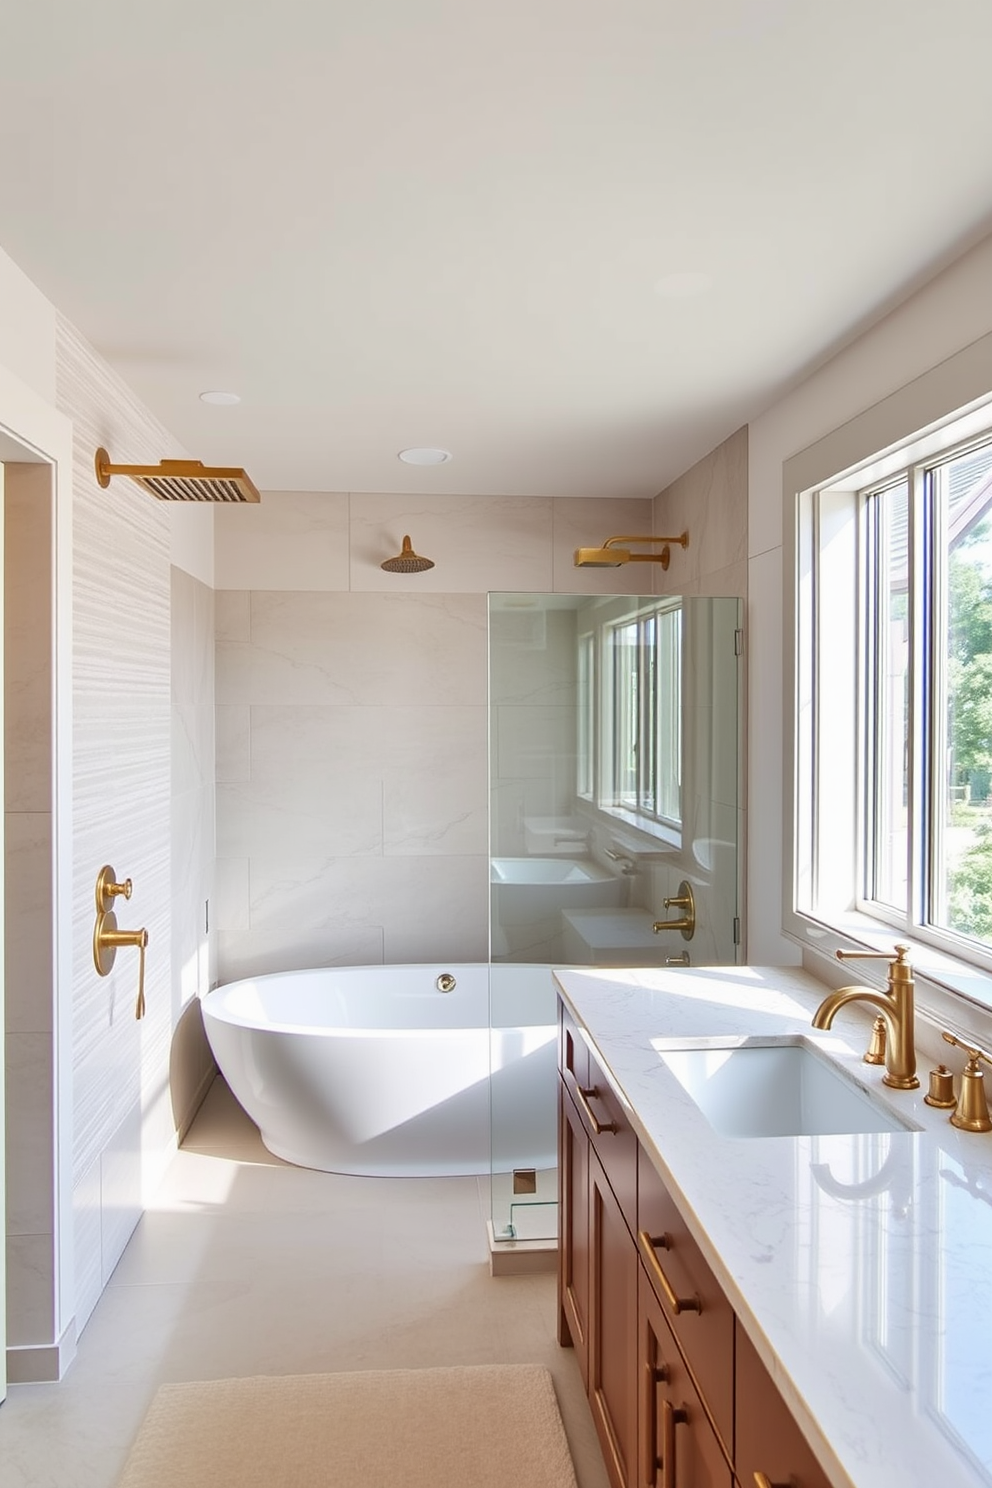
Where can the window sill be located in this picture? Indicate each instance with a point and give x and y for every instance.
(951, 993)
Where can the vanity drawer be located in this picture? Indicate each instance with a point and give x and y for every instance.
(769, 1443)
(691, 1298)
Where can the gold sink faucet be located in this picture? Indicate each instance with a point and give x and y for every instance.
(896, 1006)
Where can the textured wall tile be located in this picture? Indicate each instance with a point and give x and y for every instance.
(122, 724)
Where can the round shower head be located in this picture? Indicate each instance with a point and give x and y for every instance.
(407, 561)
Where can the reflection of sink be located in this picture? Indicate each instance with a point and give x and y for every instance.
(784, 1089)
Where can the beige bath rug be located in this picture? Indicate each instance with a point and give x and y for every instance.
(483, 1426)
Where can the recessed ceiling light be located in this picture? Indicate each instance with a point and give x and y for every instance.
(425, 456)
(684, 286)
(221, 400)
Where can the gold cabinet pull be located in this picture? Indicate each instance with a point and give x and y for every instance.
(671, 1416)
(584, 1097)
(762, 1480)
(648, 1244)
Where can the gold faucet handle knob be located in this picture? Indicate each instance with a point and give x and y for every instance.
(108, 888)
(973, 1052)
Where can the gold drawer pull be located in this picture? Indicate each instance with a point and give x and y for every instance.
(599, 1127)
(670, 1418)
(648, 1244)
(762, 1480)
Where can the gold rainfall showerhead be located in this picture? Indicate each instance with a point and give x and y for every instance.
(407, 561)
(611, 556)
(182, 480)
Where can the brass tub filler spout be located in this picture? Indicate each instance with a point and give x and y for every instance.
(895, 1005)
(107, 938)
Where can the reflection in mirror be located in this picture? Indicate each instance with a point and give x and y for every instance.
(614, 749)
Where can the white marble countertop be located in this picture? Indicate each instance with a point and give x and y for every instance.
(861, 1266)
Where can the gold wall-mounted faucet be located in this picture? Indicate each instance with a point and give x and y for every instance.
(896, 1006)
(107, 938)
(686, 922)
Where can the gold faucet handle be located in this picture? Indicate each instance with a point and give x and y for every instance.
(973, 1052)
(108, 889)
(899, 959)
(972, 1110)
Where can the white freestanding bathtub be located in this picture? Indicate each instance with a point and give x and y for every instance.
(373, 1070)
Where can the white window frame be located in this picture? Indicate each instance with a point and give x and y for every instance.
(947, 406)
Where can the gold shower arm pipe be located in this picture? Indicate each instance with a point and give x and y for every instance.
(682, 542)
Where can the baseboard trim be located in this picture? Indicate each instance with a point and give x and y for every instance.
(41, 1363)
(199, 1097)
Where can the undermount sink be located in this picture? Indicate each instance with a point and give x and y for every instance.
(781, 1089)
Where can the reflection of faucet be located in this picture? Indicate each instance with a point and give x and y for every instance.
(896, 1007)
(625, 864)
(892, 1175)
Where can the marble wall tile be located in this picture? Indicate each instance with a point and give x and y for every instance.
(347, 648)
(232, 614)
(231, 896)
(28, 935)
(536, 742)
(233, 743)
(586, 522)
(30, 1300)
(423, 908)
(286, 947)
(30, 1181)
(27, 682)
(477, 543)
(710, 502)
(328, 816)
(291, 540)
(532, 655)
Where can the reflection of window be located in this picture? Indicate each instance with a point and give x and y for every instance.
(895, 698)
(630, 680)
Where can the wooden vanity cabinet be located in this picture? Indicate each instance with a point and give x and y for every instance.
(691, 1298)
(573, 1231)
(769, 1445)
(677, 1446)
(678, 1394)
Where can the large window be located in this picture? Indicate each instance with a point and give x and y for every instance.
(894, 698)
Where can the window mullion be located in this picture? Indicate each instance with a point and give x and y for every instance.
(926, 727)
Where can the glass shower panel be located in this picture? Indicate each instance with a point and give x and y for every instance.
(614, 733)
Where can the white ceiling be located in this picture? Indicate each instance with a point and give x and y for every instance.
(404, 222)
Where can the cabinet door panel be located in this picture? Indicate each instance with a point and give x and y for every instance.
(678, 1273)
(573, 1055)
(677, 1446)
(573, 1234)
(768, 1439)
(612, 1382)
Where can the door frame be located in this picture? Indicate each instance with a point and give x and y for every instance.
(33, 431)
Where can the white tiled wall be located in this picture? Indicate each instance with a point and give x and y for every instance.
(352, 797)
(129, 724)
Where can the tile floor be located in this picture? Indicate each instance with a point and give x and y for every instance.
(246, 1265)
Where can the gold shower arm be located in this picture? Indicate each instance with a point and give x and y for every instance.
(610, 555)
